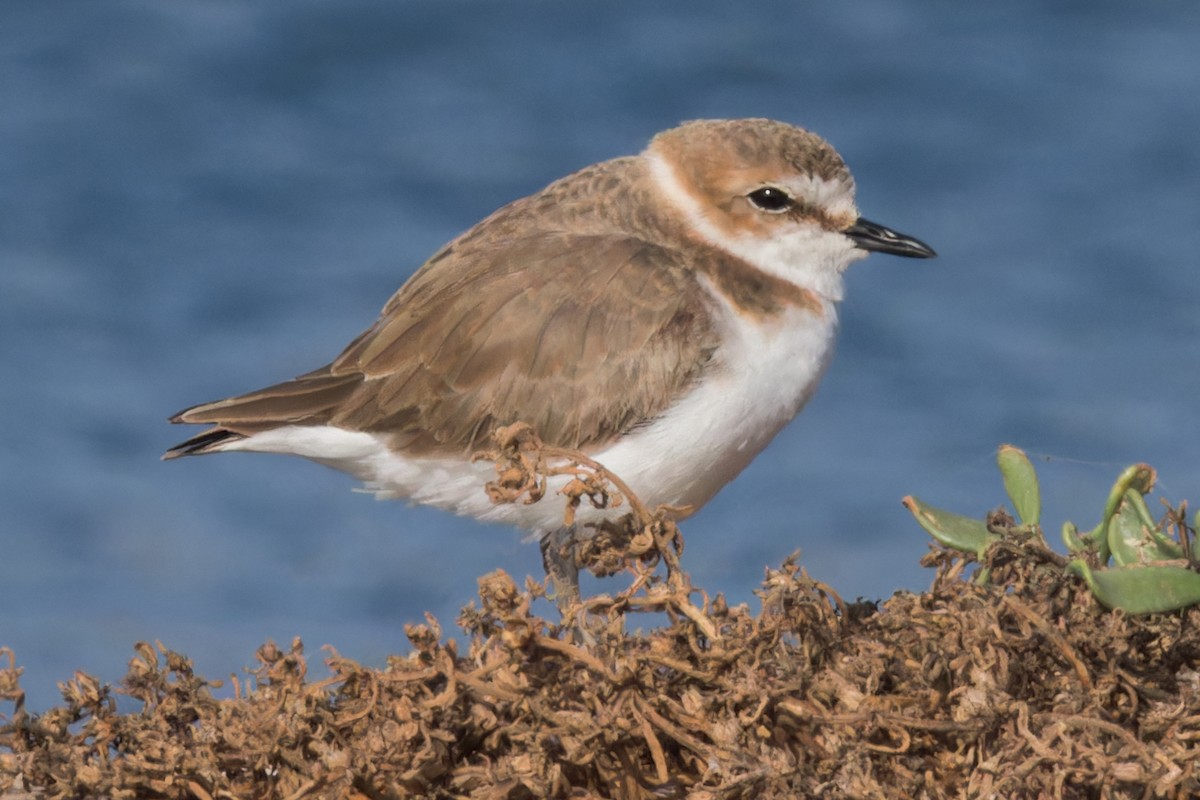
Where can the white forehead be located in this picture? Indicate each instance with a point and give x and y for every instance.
(834, 196)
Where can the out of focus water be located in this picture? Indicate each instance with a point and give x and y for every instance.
(199, 199)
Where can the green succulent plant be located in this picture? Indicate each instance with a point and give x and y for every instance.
(1128, 560)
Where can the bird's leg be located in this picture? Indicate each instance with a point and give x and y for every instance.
(558, 556)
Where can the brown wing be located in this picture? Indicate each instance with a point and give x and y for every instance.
(581, 336)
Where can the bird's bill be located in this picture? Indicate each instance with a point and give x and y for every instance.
(877, 238)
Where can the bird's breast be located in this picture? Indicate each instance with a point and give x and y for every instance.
(762, 375)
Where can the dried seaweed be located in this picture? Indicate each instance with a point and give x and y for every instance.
(1023, 687)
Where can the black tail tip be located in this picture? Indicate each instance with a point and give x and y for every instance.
(201, 443)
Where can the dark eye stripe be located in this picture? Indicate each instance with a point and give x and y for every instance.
(769, 198)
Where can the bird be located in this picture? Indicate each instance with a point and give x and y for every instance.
(666, 314)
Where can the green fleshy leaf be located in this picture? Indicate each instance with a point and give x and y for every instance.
(1133, 537)
(1020, 481)
(1139, 477)
(1141, 589)
(1165, 544)
(1070, 537)
(953, 530)
(1126, 535)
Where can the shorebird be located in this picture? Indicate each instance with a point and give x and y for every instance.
(665, 313)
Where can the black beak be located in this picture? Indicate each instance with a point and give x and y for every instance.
(872, 236)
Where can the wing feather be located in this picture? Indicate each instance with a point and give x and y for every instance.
(603, 338)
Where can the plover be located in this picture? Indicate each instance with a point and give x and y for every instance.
(665, 313)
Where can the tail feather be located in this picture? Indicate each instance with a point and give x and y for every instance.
(202, 443)
(310, 397)
(308, 400)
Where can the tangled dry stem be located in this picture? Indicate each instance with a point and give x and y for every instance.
(637, 542)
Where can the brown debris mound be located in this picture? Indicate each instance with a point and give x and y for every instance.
(1025, 687)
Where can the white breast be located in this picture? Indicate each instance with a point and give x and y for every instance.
(766, 372)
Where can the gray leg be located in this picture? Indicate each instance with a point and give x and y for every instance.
(558, 556)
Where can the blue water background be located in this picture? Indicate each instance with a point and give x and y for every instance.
(198, 199)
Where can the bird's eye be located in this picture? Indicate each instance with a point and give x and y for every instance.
(768, 198)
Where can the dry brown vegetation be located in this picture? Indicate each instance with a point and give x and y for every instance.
(1022, 688)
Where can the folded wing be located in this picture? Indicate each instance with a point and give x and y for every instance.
(582, 336)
